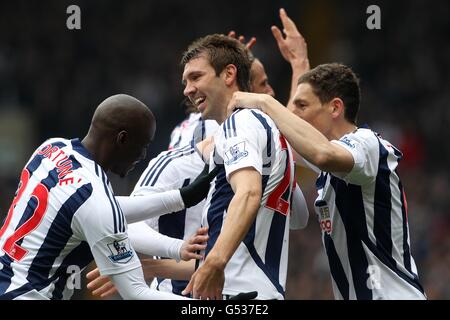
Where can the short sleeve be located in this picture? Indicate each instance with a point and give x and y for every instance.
(241, 141)
(364, 149)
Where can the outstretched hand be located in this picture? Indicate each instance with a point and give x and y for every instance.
(292, 45)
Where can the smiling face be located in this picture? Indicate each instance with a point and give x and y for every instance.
(207, 91)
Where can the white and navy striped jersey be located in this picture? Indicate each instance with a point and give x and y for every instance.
(364, 222)
(171, 170)
(191, 131)
(249, 138)
(63, 215)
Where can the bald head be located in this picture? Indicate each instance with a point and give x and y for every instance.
(122, 111)
(121, 129)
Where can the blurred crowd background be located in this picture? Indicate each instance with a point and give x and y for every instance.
(52, 78)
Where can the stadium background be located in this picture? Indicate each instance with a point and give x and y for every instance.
(52, 78)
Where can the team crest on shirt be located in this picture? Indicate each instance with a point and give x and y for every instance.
(235, 153)
(120, 251)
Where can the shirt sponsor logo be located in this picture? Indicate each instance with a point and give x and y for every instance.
(323, 211)
(120, 251)
(235, 153)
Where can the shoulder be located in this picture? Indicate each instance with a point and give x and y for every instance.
(360, 137)
(247, 120)
(170, 167)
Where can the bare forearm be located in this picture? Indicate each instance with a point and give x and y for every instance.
(298, 69)
(240, 215)
(168, 268)
(303, 137)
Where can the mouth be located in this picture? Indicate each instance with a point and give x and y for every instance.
(199, 103)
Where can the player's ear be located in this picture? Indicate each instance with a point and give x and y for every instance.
(122, 138)
(337, 107)
(229, 74)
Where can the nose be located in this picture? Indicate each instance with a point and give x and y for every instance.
(189, 89)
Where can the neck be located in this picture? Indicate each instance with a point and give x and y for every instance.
(96, 150)
(339, 131)
(222, 116)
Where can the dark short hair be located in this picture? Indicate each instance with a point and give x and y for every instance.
(221, 51)
(335, 80)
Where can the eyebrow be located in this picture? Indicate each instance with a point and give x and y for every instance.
(190, 75)
(300, 100)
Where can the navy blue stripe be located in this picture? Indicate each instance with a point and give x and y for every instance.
(160, 162)
(268, 132)
(220, 200)
(349, 202)
(57, 236)
(203, 129)
(122, 216)
(173, 224)
(224, 129)
(227, 125)
(248, 241)
(233, 123)
(321, 180)
(96, 169)
(406, 251)
(275, 241)
(382, 205)
(150, 169)
(34, 164)
(77, 146)
(59, 233)
(276, 234)
(177, 143)
(169, 160)
(106, 187)
(336, 268)
(6, 274)
(80, 256)
(49, 183)
(413, 282)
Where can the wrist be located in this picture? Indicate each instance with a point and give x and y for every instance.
(215, 261)
(299, 66)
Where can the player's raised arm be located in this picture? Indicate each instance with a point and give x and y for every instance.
(293, 48)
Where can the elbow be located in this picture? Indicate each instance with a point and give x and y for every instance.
(325, 159)
(322, 159)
